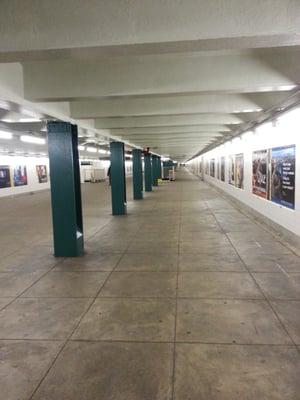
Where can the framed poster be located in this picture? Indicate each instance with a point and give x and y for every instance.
(231, 170)
(223, 169)
(41, 171)
(260, 175)
(239, 171)
(20, 175)
(218, 168)
(212, 167)
(5, 180)
(206, 167)
(283, 161)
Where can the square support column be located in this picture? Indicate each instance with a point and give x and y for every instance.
(118, 181)
(148, 172)
(154, 171)
(137, 172)
(65, 189)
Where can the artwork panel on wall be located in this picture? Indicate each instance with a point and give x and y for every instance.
(41, 171)
(260, 173)
(239, 171)
(282, 185)
(218, 168)
(20, 175)
(231, 170)
(223, 169)
(5, 178)
(206, 167)
(212, 167)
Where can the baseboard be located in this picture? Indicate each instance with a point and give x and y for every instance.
(12, 196)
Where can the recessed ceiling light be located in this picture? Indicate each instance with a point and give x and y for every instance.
(32, 139)
(5, 135)
(28, 120)
(91, 149)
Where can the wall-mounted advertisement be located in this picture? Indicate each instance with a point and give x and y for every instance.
(231, 169)
(206, 170)
(260, 179)
(218, 168)
(41, 171)
(239, 171)
(5, 180)
(283, 176)
(223, 169)
(20, 175)
(212, 167)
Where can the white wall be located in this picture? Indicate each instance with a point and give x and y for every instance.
(33, 183)
(286, 131)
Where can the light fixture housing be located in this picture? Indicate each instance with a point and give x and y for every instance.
(32, 139)
(5, 135)
(91, 149)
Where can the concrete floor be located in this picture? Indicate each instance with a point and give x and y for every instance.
(184, 298)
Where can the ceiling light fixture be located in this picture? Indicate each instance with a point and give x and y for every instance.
(91, 149)
(81, 148)
(32, 139)
(28, 120)
(5, 135)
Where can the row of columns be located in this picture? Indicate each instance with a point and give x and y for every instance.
(65, 184)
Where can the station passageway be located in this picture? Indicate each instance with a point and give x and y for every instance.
(185, 297)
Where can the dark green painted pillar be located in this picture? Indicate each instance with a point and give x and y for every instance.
(154, 170)
(159, 167)
(65, 189)
(137, 172)
(118, 182)
(148, 172)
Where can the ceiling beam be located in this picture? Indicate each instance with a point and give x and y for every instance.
(153, 130)
(168, 105)
(164, 120)
(65, 80)
(71, 24)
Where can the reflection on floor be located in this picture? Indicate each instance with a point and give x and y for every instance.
(184, 298)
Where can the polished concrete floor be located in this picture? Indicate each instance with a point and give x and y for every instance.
(184, 298)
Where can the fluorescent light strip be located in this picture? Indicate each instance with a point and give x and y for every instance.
(28, 120)
(32, 139)
(91, 149)
(5, 135)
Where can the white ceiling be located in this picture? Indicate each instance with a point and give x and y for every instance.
(178, 76)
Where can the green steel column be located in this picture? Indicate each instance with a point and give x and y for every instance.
(137, 172)
(154, 170)
(117, 174)
(159, 167)
(148, 172)
(65, 189)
